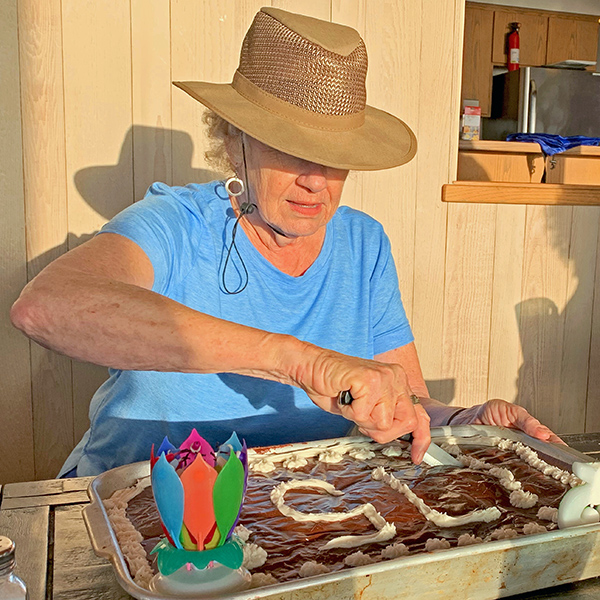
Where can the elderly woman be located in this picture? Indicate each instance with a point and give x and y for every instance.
(252, 304)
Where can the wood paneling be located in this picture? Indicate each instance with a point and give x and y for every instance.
(468, 300)
(151, 94)
(393, 35)
(580, 252)
(353, 14)
(205, 42)
(505, 344)
(592, 413)
(16, 426)
(98, 115)
(500, 297)
(435, 163)
(541, 313)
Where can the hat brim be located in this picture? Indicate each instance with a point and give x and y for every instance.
(382, 142)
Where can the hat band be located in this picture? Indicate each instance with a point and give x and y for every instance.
(290, 112)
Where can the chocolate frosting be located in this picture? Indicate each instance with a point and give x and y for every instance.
(289, 543)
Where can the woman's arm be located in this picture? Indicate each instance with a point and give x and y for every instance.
(95, 304)
(406, 356)
(493, 412)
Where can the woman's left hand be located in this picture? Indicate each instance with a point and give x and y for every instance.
(504, 414)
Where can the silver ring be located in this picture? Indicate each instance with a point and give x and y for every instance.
(345, 398)
(415, 399)
(238, 182)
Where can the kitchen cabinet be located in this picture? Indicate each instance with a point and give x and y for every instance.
(546, 37)
(477, 68)
(485, 160)
(533, 34)
(578, 165)
(571, 39)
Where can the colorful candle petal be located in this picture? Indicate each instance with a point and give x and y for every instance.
(212, 539)
(199, 502)
(196, 443)
(153, 458)
(233, 443)
(186, 540)
(228, 494)
(243, 456)
(198, 481)
(169, 497)
(165, 447)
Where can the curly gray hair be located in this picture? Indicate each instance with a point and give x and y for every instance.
(218, 132)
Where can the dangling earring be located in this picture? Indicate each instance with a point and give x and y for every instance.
(235, 181)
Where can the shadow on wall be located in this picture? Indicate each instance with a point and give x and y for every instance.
(443, 390)
(552, 385)
(100, 185)
(62, 388)
(553, 379)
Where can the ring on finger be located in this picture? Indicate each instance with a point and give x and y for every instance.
(415, 399)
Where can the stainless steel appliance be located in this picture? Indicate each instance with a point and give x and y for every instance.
(544, 100)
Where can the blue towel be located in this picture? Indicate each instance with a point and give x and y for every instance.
(553, 144)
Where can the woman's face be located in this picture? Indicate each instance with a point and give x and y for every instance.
(294, 197)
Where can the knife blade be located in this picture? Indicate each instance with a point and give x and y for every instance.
(434, 456)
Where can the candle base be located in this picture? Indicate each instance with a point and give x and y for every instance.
(190, 582)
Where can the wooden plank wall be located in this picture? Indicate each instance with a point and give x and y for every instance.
(16, 424)
(500, 297)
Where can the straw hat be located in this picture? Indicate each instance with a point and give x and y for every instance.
(300, 88)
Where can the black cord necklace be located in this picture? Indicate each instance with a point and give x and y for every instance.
(246, 208)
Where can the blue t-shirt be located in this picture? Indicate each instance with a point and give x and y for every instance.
(347, 301)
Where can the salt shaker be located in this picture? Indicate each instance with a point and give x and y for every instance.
(11, 587)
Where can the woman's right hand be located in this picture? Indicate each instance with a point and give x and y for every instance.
(382, 406)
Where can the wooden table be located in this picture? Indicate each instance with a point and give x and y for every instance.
(56, 561)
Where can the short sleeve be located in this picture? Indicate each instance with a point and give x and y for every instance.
(167, 226)
(389, 323)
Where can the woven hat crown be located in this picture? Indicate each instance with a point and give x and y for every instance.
(300, 89)
(314, 65)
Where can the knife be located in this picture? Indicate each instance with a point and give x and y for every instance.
(434, 456)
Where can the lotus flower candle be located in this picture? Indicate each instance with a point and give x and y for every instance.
(199, 495)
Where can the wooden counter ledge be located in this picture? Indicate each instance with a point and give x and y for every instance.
(512, 173)
(521, 193)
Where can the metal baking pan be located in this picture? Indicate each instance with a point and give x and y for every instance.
(490, 570)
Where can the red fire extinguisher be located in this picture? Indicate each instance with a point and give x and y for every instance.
(513, 47)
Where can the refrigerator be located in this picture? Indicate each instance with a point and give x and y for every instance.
(544, 100)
